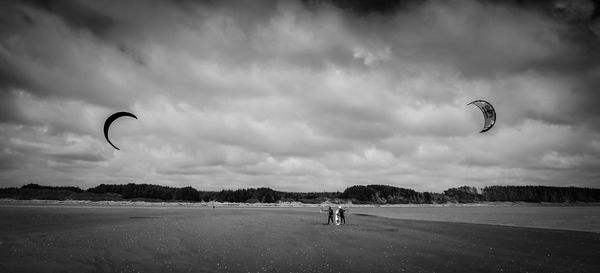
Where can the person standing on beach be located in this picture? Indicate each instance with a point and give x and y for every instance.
(330, 211)
(342, 217)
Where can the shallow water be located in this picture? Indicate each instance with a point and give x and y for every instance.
(580, 218)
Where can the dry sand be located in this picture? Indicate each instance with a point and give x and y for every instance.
(193, 239)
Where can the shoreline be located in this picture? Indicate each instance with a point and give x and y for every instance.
(4, 201)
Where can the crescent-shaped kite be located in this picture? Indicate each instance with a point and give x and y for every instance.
(489, 114)
(112, 118)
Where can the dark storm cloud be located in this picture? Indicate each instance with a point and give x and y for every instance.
(67, 64)
(299, 95)
(9, 111)
(364, 8)
(77, 14)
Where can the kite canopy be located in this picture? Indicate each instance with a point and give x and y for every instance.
(489, 114)
(110, 120)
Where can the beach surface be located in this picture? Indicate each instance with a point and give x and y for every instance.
(44, 238)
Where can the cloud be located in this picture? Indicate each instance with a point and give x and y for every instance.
(299, 95)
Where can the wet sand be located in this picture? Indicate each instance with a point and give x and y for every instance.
(578, 218)
(166, 239)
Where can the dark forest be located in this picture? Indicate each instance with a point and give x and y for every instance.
(370, 194)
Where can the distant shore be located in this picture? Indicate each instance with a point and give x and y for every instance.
(276, 205)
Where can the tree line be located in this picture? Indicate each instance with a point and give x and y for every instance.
(360, 194)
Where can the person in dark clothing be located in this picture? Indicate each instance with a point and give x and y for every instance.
(342, 217)
(330, 211)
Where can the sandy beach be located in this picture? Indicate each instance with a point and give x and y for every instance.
(200, 239)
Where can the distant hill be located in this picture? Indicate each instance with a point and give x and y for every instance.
(369, 194)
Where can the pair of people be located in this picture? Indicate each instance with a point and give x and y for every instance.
(340, 211)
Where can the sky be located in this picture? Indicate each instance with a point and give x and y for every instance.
(300, 95)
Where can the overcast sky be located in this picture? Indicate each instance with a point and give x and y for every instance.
(300, 96)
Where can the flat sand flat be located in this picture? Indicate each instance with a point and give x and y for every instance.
(166, 239)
